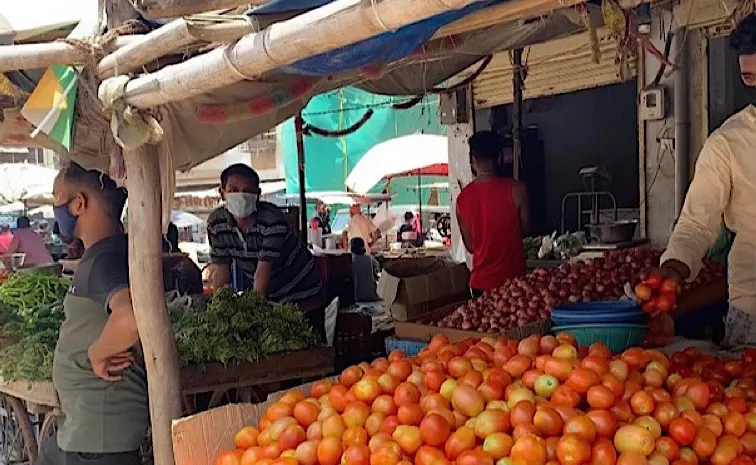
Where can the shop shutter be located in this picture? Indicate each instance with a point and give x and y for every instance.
(555, 67)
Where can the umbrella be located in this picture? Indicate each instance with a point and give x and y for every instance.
(414, 155)
(185, 220)
(31, 184)
(29, 18)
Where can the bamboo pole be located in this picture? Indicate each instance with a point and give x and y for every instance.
(169, 38)
(335, 25)
(148, 298)
(44, 55)
(176, 8)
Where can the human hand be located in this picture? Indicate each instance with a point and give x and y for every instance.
(108, 367)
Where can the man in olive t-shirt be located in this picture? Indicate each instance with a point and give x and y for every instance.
(98, 369)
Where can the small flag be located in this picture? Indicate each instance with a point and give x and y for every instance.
(50, 107)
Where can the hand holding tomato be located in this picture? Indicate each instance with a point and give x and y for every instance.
(657, 293)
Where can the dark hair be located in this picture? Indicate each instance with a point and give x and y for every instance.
(23, 222)
(485, 146)
(357, 246)
(743, 38)
(172, 235)
(408, 216)
(242, 170)
(100, 184)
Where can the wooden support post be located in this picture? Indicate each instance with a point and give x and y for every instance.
(148, 298)
(517, 81)
(299, 127)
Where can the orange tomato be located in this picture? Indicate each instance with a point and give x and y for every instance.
(548, 421)
(461, 440)
(573, 449)
(434, 429)
(230, 458)
(642, 403)
(682, 431)
(583, 426)
(668, 448)
(603, 452)
(605, 422)
(704, 443)
(528, 450)
(581, 379)
(600, 397)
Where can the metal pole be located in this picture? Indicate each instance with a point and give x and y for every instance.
(420, 202)
(682, 122)
(299, 125)
(517, 81)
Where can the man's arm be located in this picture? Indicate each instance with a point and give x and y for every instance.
(262, 277)
(701, 216)
(467, 238)
(220, 259)
(520, 197)
(221, 275)
(118, 336)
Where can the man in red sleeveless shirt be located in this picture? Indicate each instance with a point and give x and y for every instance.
(493, 216)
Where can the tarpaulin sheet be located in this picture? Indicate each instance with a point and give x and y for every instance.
(328, 161)
(384, 48)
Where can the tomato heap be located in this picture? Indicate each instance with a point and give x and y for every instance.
(539, 401)
(657, 294)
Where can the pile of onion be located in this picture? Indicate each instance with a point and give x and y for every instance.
(531, 298)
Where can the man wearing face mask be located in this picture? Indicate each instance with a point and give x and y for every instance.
(255, 237)
(724, 185)
(98, 369)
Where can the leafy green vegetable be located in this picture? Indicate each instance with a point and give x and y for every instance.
(239, 328)
(233, 328)
(31, 313)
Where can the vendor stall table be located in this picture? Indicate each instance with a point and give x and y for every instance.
(20, 433)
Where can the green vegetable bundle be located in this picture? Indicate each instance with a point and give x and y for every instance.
(239, 328)
(31, 313)
(27, 291)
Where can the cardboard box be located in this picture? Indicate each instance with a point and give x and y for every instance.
(198, 439)
(410, 288)
(423, 328)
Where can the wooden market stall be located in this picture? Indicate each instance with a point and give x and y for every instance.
(160, 120)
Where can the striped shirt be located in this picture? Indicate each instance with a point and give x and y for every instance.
(294, 278)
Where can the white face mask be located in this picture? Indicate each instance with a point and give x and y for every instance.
(241, 204)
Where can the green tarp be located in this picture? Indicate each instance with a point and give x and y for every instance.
(328, 161)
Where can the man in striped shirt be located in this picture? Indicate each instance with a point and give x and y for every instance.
(255, 236)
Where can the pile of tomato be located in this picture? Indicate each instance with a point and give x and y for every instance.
(539, 401)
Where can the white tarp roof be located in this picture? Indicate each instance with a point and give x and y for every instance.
(24, 19)
(25, 182)
(395, 156)
(184, 219)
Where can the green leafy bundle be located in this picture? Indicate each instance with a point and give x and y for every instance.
(31, 313)
(239, 328)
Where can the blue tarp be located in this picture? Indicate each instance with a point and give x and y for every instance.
(384, 48)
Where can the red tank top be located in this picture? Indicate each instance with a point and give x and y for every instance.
(488, 210)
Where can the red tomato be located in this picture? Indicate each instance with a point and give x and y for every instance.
(670, 286)
(654, 281)
(665, 302)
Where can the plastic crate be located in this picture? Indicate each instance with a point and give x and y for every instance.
(617, 337)
(410, 348)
